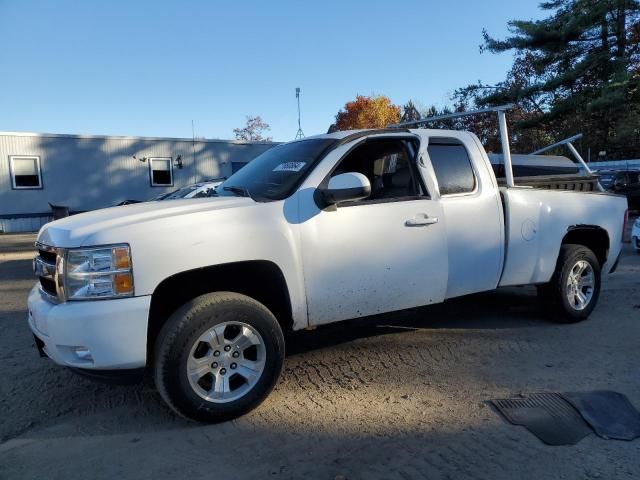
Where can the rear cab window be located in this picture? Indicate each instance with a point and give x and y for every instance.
(452, 166)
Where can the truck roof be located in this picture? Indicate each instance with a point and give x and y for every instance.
(372, 131)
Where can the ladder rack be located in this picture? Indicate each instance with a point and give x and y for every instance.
(504, 137)
(502, 125)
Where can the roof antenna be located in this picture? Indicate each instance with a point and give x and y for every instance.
(300, 134)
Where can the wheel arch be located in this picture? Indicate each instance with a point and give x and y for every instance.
(261, 280)
(594, 237)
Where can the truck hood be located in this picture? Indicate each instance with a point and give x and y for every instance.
(77, 230)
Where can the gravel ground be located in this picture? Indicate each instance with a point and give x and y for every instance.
(399, 396)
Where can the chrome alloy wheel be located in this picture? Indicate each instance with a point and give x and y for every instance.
(580, 285)
(226, 362)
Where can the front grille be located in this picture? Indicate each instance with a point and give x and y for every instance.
(48, 286)
(47, 256)
(45, 269)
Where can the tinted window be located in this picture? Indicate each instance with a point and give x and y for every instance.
(452, 167)
(275, 174)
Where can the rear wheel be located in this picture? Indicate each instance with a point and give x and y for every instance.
(218, 356)
(573, 291)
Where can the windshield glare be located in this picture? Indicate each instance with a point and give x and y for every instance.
(181, 192)
(276, 173)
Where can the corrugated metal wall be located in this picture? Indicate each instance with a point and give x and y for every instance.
(31, 224)
(89, 172)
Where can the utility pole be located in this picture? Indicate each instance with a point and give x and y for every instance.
(193, 152)
(300, 133)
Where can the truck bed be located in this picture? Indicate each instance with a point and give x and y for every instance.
(538, 219)
(545, 172)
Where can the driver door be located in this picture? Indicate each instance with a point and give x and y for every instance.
(384, 253)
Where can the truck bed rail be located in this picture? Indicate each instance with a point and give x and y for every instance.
(578, 183)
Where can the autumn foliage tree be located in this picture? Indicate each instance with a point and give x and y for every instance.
(367, 112)
(253, 130)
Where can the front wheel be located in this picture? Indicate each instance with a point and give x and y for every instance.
(218, 356)
(573, 291)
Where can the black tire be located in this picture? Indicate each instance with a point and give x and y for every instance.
(554, 295)
(174, 344)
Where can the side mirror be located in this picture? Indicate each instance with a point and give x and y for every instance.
(346, 187)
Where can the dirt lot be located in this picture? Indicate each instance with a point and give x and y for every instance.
(399, 396)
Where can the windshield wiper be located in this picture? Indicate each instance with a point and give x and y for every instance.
(243, 192)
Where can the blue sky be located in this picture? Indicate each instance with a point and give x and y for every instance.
(150, 67)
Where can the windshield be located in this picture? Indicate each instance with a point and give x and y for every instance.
(180, 193)
(275, 174)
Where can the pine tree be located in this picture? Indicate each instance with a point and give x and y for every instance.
(578, 70)
(410, 112)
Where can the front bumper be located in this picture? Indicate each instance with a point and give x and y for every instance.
(114, 332)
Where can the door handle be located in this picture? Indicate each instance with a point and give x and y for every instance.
(421, 220)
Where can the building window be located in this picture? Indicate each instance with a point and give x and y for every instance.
(25, 172)
(161, 172)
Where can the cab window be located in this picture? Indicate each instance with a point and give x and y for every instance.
(452, 166)
(388, 164)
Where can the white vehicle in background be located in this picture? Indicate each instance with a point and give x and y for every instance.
(311, 232)
(196, 190)
(635, 235)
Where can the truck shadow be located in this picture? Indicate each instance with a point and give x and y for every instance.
(507, 308)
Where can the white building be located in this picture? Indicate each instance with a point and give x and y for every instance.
(86, 172)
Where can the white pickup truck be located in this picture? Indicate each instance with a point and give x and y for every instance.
(319, 230)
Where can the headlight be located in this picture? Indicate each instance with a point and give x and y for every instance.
(98, 272)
